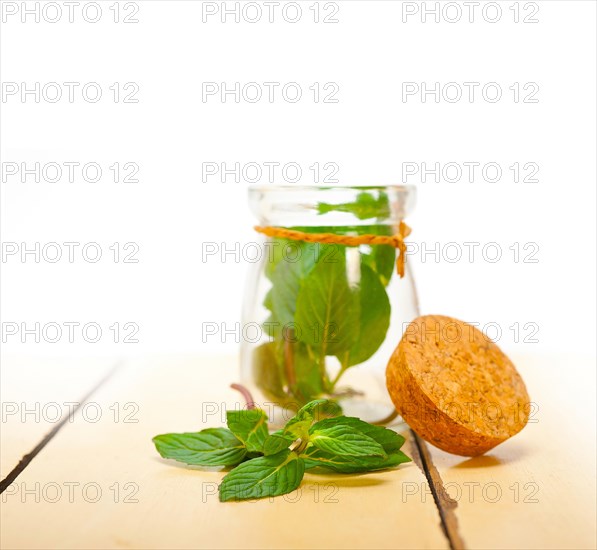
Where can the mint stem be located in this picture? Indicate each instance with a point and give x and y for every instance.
(342, 370)
(289, 360)
(245, 393)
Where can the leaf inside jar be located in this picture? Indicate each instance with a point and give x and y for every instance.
(320, 308)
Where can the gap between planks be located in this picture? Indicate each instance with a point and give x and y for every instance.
(26, 460)
(446, 505)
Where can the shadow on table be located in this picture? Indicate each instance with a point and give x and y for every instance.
(183, 466)
(357, 479)
(503, 455)
(348, 480)
(513, 454)
(365, 479)
(485, 461)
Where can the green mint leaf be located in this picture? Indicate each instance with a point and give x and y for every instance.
(327, 309)
(210, 447)
(288, 277)
(380, 257)
(388, 439)
(299, 425)
(286, 281)
(297, 428)
(277, 442)
(267, 372)
(272, 375)
(308, 382)
(266, 476)
(278, 251)
(383, 261)
(343, 440)
(268, 301)
(374, 317)
(319, 409)
(316, 458)
(368, 204)
(250, 426)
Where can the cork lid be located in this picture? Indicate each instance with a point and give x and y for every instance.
(455, 387)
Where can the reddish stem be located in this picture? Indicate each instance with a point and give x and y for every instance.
(245, 393)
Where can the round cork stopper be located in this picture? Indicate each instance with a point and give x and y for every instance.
(455, 387)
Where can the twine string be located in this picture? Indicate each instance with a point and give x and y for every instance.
(397, 240)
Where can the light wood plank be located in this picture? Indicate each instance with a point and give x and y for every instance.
(536, 490)
(36, 395)
(178, 507)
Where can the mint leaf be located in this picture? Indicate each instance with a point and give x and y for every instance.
(327, 310)
(374, 317)
(298, 428)
(308, 381)
(383, 261)
(380, 257)
(301, 376)
(367, 205)
(287, 280)
(267, 372)
(316, 458)
(318, 409)
(279, 249)
(277, 442)
(210, 447)
(268, 301)
(250, 426)
(266, 476)
(388, 439)
(299, 425)
(343, 440)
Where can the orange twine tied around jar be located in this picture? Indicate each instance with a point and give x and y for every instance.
(397, 240)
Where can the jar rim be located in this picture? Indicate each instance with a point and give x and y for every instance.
(301, 205)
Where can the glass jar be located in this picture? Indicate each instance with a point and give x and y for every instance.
(321, 319)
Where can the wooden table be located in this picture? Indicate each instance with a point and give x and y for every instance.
(92, 479)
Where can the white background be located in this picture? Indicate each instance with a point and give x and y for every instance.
(372, 50)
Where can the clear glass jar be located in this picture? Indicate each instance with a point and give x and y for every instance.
(325, 317)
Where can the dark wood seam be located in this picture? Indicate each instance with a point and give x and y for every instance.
(446, 505)
(24, 462)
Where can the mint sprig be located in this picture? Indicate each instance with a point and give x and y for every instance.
(267, 465)
(335, 318)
